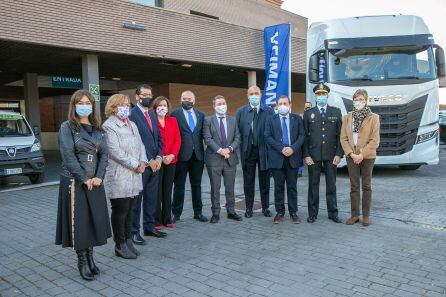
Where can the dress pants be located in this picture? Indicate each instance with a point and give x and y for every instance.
(147, 198)
(215, 174)
(314, 176)
(287, 175)
(165, 184)
(249, 175)
(121, 218)
(358, 174)
(195, 169)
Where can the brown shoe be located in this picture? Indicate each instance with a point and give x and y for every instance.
(352, 220)
(365, 221)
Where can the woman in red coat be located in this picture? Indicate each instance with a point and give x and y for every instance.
(171, 138)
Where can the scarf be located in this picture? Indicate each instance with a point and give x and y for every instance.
(359, 116)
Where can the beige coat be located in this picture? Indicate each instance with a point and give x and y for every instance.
(125, 151)
(368, 136)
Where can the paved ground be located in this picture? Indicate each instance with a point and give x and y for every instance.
(403, 253)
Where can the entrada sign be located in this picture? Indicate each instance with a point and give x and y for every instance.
(66, 82)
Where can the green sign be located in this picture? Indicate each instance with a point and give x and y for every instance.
(94, 90)
(66, 82)
(13, 117)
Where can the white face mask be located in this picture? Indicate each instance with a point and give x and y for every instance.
(221, 109)
(283, 109)
(161, 110)
(358, 105)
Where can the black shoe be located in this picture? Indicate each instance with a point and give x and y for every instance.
(122, 250)
(93, 268)
(278, 219)
(131, 247)
(234, 216)
(82, 265)
(215, 219)
(267, 213)
(201, 218)
(311, 220)
(248, 213)
(336, 219)
(175, 219)
(155, 233)
(294, 218)
(137, 239)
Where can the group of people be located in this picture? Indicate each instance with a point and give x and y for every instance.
(140, 154)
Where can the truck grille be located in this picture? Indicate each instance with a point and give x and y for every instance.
(19, 151)
(399, 125)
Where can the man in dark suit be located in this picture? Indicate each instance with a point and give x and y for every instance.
(322, 151)
(222, 139)
(284, 135)
(147, 124)
(251, 120)
(190, 158)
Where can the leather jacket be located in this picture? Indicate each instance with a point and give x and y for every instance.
(84, 156)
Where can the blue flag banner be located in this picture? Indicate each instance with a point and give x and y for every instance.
(277, 63)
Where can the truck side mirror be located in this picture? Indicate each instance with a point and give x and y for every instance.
(313, 68)
(440, 62)
(36, 130)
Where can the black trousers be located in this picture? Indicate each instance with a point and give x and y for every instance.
(165, 184)
(249, 175)
(121, 218)
(314, 176)
(195, 169)
(147, 201)
(287, 175)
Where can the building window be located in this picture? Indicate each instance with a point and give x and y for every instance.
(203, 14)
(156, 3)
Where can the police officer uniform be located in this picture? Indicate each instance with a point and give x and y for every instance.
(322, 143)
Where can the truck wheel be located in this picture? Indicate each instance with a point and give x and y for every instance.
(409, 167)
(36, 178)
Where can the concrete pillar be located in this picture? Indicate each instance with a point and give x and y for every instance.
(31, 94)
(90, 76)
(252, 78)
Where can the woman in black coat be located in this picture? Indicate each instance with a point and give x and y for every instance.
(82, 218)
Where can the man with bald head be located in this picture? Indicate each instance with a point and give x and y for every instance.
(190, 158)
(251, 120)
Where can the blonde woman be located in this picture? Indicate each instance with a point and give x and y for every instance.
(360, 139)
(123, 180)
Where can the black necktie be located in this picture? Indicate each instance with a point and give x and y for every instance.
(255, 132)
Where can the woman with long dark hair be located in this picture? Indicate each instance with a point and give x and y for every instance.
(82, 217)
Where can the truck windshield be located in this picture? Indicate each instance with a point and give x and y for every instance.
(13, 125)
(378, 64)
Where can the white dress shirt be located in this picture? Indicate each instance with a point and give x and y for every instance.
(226, 130)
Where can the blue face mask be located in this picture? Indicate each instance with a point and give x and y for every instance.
(254, 99)
(321, 100)
(83, 111)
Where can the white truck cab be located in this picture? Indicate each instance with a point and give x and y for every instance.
(20, 152)
(394, 58)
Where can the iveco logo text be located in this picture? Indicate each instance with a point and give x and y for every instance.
(389, 98)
